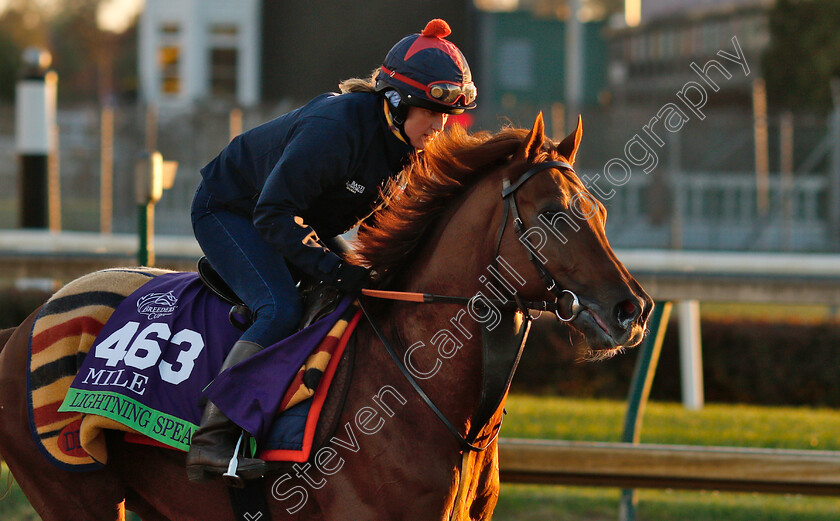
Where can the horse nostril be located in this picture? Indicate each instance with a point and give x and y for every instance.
(626, 312)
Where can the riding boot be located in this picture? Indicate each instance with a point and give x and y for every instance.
(213, 444)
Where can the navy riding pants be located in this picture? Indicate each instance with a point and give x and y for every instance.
(256, 271)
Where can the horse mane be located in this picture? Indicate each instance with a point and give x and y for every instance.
(451, 164)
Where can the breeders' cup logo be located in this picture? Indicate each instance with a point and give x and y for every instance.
(156, 305)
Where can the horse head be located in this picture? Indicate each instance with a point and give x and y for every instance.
(446, 225)
(559, 236)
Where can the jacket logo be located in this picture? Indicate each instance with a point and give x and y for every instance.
(354, 187)
(156, 305)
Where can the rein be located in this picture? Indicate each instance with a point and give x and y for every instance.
(467, 443)
(428, 298)
(486, 403)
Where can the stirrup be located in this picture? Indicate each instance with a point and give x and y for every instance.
(230, 477)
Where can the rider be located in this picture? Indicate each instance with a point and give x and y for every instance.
(266, 201)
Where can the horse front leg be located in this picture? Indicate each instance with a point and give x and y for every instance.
(486, 491)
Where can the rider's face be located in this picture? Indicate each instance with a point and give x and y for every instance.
(422, 125)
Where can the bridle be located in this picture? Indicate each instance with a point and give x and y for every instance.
(468, 442)
(510, 207)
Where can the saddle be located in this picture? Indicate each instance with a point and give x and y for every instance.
(319, 299)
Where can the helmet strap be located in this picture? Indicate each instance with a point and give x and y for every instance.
(399, 108)
(398, 131)
(396, 112)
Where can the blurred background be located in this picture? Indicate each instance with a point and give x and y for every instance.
(758, 172)
(710, 127)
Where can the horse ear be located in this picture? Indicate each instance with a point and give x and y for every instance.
(568, 147)
(533, 142)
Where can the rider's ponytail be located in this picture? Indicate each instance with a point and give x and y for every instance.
(359, 84)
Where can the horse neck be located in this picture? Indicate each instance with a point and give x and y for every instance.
(457, 256)
(461, 246)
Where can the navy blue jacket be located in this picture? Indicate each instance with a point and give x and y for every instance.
(322, 163)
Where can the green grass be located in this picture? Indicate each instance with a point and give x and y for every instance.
(776, 313)
(715, 425)
(544, 503)
(13, 506)
(729, 425)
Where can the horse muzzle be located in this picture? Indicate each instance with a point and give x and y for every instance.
(622, 326)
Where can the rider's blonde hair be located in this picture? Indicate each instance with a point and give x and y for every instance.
(359, 84)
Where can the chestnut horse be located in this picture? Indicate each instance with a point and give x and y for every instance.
(471, 211)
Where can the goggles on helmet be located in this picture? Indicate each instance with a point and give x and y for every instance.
(443, 92)
(448, 93)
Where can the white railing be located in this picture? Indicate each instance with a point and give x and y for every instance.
(718, 210)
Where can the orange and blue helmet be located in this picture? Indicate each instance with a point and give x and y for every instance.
(428, 71)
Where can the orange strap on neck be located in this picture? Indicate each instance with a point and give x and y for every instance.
(391, 125)
(395, 295)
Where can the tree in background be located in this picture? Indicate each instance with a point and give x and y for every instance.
(79, 45)
(92, 64)
(124, 72)
(21, 25)
(9, 64)
(804, 53)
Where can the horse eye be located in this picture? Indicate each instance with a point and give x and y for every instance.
(549, 214)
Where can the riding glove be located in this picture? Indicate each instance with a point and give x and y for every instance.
(351, 278)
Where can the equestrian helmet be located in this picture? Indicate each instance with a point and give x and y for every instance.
(428, 71)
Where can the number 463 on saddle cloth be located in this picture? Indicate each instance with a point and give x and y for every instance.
(158, 352)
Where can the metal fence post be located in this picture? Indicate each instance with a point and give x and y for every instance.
(691, 358)
(35, 136)
(152, 176)
(637, 397)
(834, 172)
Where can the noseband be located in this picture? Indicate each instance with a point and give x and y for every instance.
(510, 207)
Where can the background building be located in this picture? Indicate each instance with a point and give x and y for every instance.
(198, 61)
(522, 67)
(650, 61)
(196, 49)
(309, 47)
(253, 51)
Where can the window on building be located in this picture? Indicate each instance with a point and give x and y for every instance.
(227, 32)
(224, 58)
(169, 58)
(170, 28)
(223, 73)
